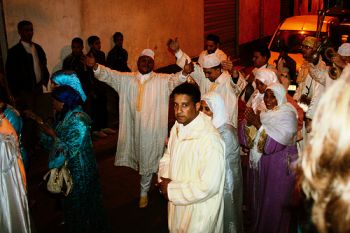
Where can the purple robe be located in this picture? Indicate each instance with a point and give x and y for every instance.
(276, 184)
(269, 188)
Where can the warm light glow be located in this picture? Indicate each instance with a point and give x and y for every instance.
(302, 32)
(344, 38)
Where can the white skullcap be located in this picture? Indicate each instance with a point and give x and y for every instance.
(210, 60)
(148, 53)
(266, 76)
(344, 50)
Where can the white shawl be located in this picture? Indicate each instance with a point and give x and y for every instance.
(280, 123)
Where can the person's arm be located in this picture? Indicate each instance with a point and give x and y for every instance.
(316, 90)
(163, 170)
(68, 143)
(319, 73)
(112, 77)
(211, 172)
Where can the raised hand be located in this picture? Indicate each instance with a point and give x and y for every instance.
(90, 61)
(227, 65)
(188, 68)
(173, 45)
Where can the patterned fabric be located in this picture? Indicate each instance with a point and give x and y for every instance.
(143, 116)
(83, 211)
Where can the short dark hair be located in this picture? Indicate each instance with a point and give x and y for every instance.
(78, 40)
(22, 24)
(116, 35)
(91, 40)
(263, 50)
(189, 89)
(214, 38)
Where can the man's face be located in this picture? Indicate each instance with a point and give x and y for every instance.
(96, 45)
(212, 73)
(77, 49)
(145, 64)
(211, 46)
(185, 109)
(259, 60)
(119, 41)
(307, 51)
(26, 33)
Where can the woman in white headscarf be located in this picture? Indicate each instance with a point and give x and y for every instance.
(263, 78)
(272, 155)
(213, 105)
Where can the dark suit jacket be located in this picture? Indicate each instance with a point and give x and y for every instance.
(20, 69)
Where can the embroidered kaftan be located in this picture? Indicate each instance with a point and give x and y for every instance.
(143, 116)
(83, 211)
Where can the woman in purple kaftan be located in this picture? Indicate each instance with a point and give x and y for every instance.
(272, 154)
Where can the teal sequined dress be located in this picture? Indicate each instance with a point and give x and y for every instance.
(83, 209)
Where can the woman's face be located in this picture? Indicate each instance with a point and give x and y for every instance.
(260, 86)
(270, 99)
(57, 105)
(205, 108)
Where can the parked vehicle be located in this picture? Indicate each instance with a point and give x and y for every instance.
(292, 31)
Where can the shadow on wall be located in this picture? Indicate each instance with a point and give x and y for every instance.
(65, 51)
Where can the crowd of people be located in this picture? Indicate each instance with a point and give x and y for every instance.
(296, 146)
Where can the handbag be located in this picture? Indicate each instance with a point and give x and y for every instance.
(59, 180)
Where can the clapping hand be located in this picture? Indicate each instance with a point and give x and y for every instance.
(252, 117)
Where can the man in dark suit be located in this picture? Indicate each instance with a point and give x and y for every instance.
(26, 68)
(27, 73)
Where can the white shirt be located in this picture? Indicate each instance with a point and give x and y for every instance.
(30, 48)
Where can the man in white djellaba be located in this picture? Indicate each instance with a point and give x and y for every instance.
(143, 114)
(192, 171)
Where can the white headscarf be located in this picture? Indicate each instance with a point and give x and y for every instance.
(267, 77)
(280, 124)
(217, 106)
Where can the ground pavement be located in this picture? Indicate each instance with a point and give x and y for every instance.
(120, 186)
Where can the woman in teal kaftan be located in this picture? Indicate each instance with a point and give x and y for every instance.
(70, 140)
